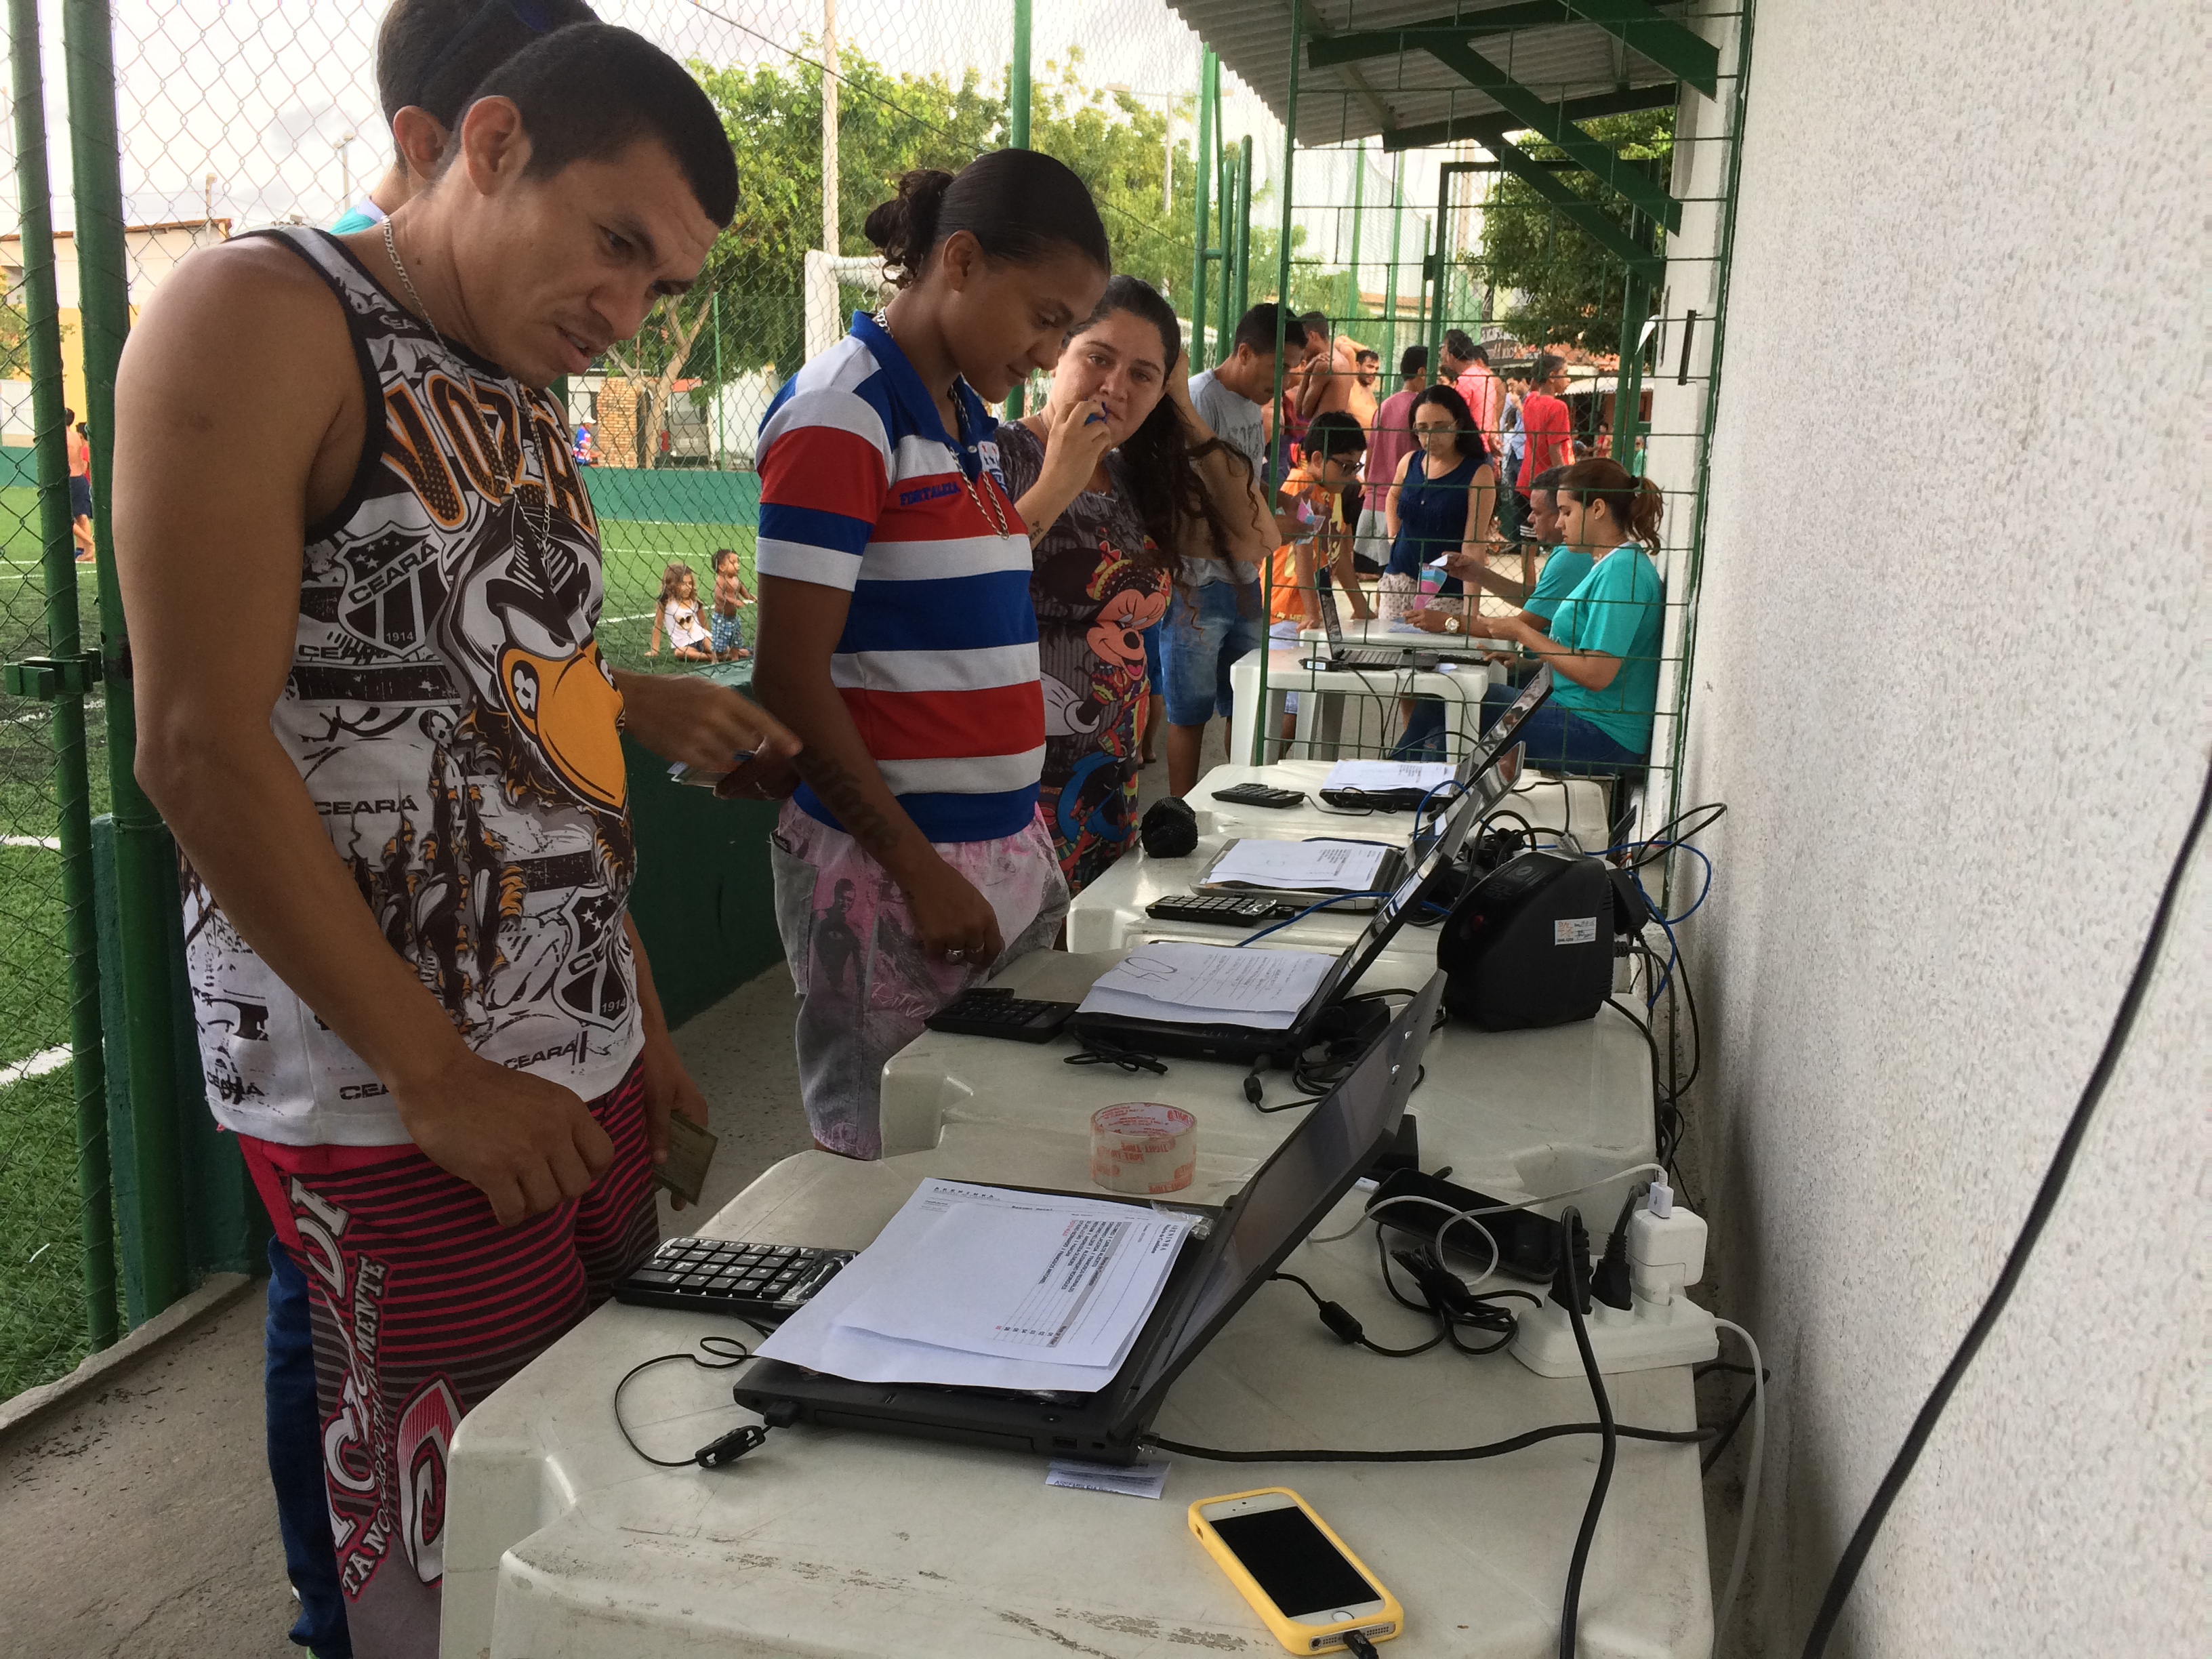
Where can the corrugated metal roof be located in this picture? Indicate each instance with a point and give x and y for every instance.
(1342, 102)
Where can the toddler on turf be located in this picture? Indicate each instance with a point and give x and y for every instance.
(730, 593)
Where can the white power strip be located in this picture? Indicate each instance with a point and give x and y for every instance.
(1646, 1338)
(1661, 1326)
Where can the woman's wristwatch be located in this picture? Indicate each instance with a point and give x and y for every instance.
(1451, 625)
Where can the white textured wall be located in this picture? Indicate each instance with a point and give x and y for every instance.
(1952, 681)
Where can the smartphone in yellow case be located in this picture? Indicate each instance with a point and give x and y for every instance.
(1297, 1575)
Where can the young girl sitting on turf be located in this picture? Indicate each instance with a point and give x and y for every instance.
(730, 592)
(678, 610)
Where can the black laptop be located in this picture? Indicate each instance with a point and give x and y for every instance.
(1341, 655)
(1479, 757)
(1285, 1199)
(1252, 1045)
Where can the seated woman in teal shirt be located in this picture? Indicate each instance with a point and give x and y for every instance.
(1603, 639)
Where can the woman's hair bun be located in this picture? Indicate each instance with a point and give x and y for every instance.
(904, 228)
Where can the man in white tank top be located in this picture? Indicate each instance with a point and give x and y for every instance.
(396, 779)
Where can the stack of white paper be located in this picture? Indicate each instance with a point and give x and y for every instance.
(986, 1287)
(1331, 866)
(1209, 985)
(1374, 776)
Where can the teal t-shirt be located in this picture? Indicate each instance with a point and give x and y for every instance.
(356, 217)
(1618, 609)
(1563, 572)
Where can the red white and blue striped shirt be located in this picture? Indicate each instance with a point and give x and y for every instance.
(862, 488)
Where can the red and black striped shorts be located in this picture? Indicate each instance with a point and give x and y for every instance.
(421, 1305)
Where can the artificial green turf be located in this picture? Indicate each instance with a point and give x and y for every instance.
(42, 1319)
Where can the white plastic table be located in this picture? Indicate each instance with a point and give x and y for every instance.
(1461, 689)
(1514, 1112)
(561, 1544)
(1109, 913)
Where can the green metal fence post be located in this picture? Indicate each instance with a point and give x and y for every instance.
(1226, 220)
(1278, 451)
(1018, 80)
(1441, 264)
(146, 879)
(89, 1076)
(1391, 282)
(1202, 161)
(1356, 307)
(1018, 136)
(1243, 224)
(721, 436)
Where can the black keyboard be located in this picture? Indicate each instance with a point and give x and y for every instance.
(724, 1276)
(1223, 909)
(982, 1011)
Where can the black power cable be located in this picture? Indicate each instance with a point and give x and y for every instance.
(1576, 1270)
(1444, 1455)
(2031, 1230)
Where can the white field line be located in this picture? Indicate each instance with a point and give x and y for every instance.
(51, 843)
(50, 1060)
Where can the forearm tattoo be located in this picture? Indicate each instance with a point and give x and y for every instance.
(843, 794)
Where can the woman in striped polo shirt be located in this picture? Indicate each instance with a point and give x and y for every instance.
(897, 636)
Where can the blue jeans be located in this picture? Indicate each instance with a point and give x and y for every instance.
(1205, 635)
(1559, 740)
(1152, 658)
(295, 1462)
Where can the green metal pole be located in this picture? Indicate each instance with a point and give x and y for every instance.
(1357, 307)
(1442, 267)
(722, 449)
(1017, 138)
(1391, 282)
(1202, 136)
(145, 872)
(1279, 452)
(1244, 224)
(89, 1076)
(1018, 80)
(1226, 220)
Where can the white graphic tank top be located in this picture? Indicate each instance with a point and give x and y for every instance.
(453, 723)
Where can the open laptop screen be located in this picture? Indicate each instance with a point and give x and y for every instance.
(1289, 1194)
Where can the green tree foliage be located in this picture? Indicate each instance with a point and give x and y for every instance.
(1552, 281)
(889, 123)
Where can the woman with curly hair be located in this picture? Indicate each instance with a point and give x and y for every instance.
(1119, 480)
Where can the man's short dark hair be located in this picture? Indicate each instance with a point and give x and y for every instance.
(433, 53)
(1335, 432)
(1316, 322)
(1458, 346)
(590, 91)
(1256, 329)
(1548, 363)
(1413, 360)
(1547, 479)
(1367, 355)
(1478, 353)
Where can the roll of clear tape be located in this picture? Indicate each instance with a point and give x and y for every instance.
(1141, 1147)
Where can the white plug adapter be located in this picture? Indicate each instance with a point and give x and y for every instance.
(1666, 1251)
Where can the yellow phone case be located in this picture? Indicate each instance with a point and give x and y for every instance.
(1295, 1636)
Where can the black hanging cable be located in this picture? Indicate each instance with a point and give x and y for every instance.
(1445, 1454)
(2038, 1214)
(1578, 1276)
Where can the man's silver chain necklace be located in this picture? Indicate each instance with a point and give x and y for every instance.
(986, 502)
(541, 526)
